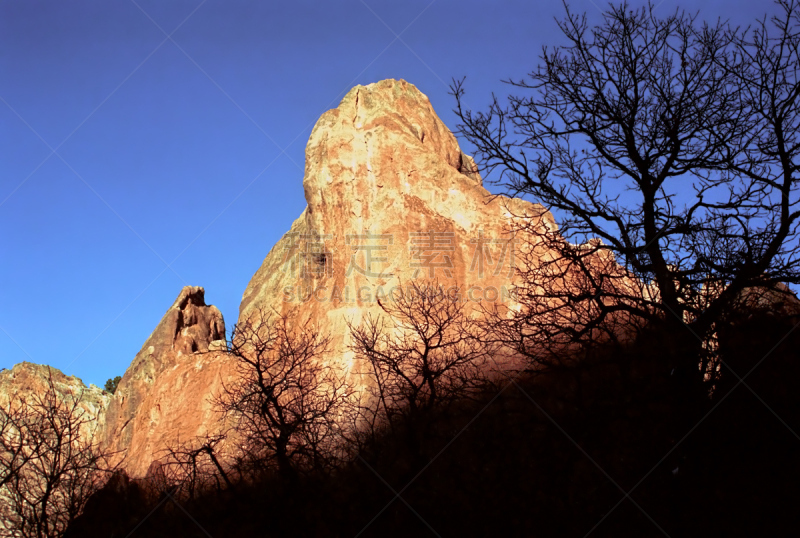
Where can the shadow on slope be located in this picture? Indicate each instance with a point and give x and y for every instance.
(547, 454)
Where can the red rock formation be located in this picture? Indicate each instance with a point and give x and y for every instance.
(26, 378)
(391, 199)
(163, 395)
(381, 165)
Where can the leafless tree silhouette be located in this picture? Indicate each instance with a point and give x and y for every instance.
(13, 439)
(195, 466)
(425, 353)
(673, 143)
(284, 403)
(50, 463)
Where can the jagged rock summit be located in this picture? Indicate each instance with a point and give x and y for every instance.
(391, 199)
(163, 394)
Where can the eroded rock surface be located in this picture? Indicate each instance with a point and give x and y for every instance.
(391, 199)
(26, 378)
(163, 396)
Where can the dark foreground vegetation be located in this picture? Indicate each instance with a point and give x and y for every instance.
(650, 386)
(546, 454)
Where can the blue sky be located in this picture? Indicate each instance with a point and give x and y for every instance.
(149, 145)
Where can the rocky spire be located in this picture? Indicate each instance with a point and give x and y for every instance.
(163, 393)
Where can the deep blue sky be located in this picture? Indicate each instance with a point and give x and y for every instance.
(169, 166)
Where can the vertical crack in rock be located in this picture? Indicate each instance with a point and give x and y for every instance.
(355, 115)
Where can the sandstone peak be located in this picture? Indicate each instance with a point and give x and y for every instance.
(391, 198)
(190, 295)
(384, 178)
(398, 110)
(364, 147)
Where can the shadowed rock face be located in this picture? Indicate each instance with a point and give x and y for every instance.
(391, 199)
(163, 395)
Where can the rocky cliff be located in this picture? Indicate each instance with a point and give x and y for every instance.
(391, 199)
(163, 396)
(27, 378)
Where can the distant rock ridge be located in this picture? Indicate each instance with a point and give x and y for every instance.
(26, 378)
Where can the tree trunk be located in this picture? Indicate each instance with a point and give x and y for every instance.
(285, 468)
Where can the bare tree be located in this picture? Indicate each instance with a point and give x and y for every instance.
(14, 414)
(673, 143)
(50, 463)
(285, 399)
(196, 466)
(424, 354)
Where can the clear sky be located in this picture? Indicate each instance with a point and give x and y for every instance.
(150, 144)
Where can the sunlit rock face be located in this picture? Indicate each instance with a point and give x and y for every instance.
(30, 383)
(27, 379)
(391, 199)
(164, 395)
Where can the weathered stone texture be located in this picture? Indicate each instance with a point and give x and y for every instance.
(163, 395)
(386, 181)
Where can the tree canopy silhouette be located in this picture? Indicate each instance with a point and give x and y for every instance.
(675, 144)
(50, 462)
(112, 383)
(285, 399)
